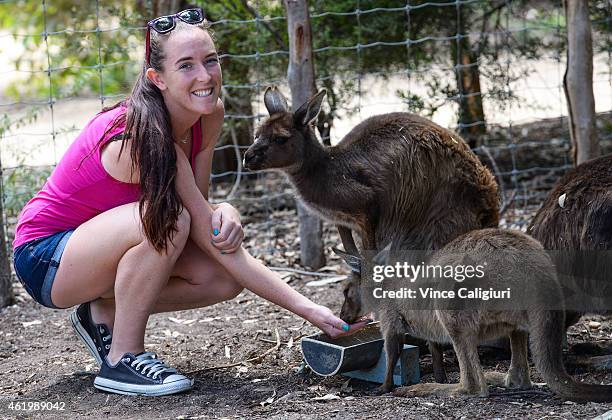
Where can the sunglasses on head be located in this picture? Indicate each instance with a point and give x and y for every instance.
(165, 24)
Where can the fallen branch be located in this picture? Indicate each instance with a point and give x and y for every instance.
(256, 359)
(525, 392)
(259, 358)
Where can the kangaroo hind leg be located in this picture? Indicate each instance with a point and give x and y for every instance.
(518, 374)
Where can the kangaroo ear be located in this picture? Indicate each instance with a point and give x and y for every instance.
(309, 111)
(353, 261)
(382, 258)
(275, 101)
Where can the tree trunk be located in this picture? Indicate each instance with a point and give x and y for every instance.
(578, 82)
(472, 117)
(471, 113)
(301, 82)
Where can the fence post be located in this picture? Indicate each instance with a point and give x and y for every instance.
(578, 82)
(302, 85)
(6, 291)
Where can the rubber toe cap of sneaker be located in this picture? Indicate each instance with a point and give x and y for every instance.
(177, 378)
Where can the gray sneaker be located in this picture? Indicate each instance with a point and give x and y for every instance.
(141, 374)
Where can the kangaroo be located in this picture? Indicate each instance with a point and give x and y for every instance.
(392, 172)
(515, 261)
(575, 218)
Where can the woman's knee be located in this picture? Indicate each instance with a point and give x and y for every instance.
(183, 228)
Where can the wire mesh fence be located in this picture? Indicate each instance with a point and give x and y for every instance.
(492, 70)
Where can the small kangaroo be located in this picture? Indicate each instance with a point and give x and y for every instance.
(514, 261)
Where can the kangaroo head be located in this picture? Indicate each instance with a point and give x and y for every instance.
(354, 308)
(282, 141)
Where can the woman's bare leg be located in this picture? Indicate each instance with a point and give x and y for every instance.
(110, 252)
(196, 281)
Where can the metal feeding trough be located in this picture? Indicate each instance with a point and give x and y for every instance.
(359, 355)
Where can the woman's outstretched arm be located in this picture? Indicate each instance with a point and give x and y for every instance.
(247, 271)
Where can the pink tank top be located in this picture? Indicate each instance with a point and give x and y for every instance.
(79, 187)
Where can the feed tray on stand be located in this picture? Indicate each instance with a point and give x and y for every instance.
(360, 356)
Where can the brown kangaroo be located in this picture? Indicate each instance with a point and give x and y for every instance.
(575, 218)
(392, 172)
(515, 261)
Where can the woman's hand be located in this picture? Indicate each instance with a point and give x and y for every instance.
(227, 234)
(330, 324)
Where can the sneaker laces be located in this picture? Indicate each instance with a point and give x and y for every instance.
(107, 337)
(151, 365)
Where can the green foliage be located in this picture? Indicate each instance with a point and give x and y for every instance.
(85, 61)
(601, 18)
(71, 46)
(8, 122)
(20, 184)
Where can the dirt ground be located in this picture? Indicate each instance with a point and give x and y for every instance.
(42, 360)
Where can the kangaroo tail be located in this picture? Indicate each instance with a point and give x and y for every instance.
(546, 335)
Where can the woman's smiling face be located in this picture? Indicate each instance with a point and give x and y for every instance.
(191, 75)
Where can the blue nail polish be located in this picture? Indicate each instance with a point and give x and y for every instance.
(216, 232)
(346, 327)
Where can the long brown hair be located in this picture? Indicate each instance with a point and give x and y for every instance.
(152, 152)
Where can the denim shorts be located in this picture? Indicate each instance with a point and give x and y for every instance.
(36, 263)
